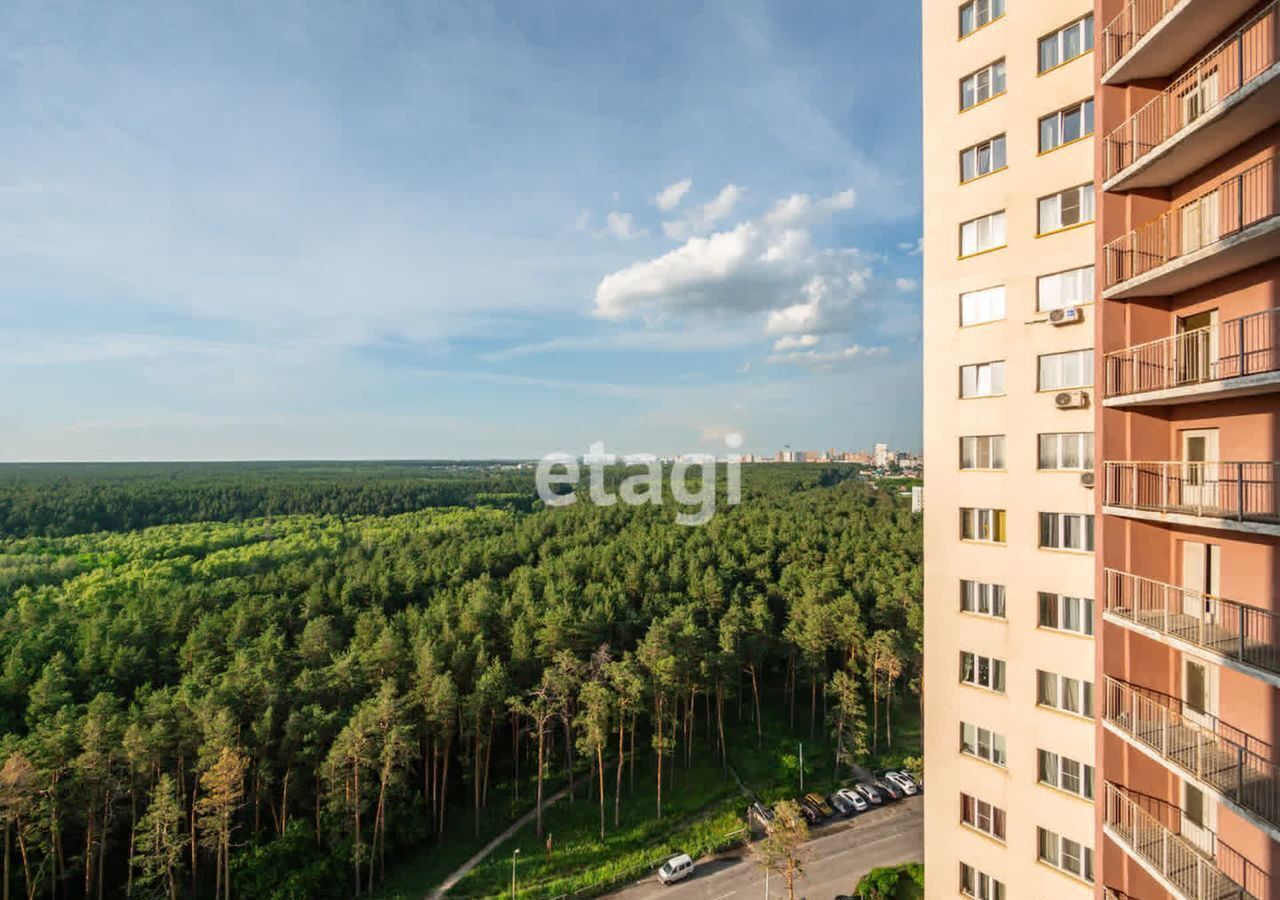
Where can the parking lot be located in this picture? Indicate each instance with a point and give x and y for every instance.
(840, 854)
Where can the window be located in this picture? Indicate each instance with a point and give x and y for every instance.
(1066, 125)
(1066, 531)
(982, 159)
(1063, 613)
(983, 233)
(976, 13)
(1071, 288)
(982, 815)
(986, 305)
(982, 525)
(982, 451)
(1072, 451)
(1066, 44)
(982, 379)
(1068, 855)
(982, 743)
(1071, 695)
(1068, 775)
(982, 85)
(984, 599)
(1060, 371)
(979, 885)
(982, 671)
(1066, 208)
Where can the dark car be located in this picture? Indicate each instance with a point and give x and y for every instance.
(763, 813)
(811, 813)
(889, 789)
(840, 805)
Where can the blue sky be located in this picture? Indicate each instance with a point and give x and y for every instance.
(337, 230)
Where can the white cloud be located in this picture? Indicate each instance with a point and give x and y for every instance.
(670, 196)
(912, 248)
(701, 219)
(906, 285)
(801, 209)
(582, 222)
(621, 226)
(795, 342)
(827, 360)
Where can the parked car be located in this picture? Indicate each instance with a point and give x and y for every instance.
(676, 868)
(810, 813)
(762, 812)
(917, 783)
(901, 781)
(855, 799)
(840, 805)
(889, 789)
(821, 804)
(869, 792)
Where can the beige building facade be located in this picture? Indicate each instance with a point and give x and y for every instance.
(1009, 290)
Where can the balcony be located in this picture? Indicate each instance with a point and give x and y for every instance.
(1243, 637)
(1226, 230)
(1235, 358)
(1236, 496)
(1153, 38)
(1231, 94)
(1198, 746)
(1149, 831)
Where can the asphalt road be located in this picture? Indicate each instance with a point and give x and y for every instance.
(839, 856)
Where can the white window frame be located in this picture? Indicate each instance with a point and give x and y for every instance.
(978, 448)
(1065, 209)
(1057, 612)
(982, 13)
(983, 233)
(983, 599)
(985, 379)
(984, 525)
(984, 744)
(985, 672)
(996, 156)
(987, 818)
(1054, 451)
(985, 83)
(1081, 28)
(1058, 290)
(1055, 850)
(982, 306)
(1059, 120)
(1073, 696)
(979, 885)
(1065, 774)
(1066, 531)
(1065, 371)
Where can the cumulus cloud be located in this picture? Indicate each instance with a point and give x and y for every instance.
(622, 226)
(702, 219)
(912, 248)
(795, 342)
(906, 285)
(670, 196)
(827, 360)
(801, 209)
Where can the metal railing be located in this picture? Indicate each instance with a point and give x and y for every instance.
(1249, 345)
(1243, 491)
(1136, 19)
(1150, 830)
(1251, 50)
(1245, 199)
(1197, 744)
(1235, 630)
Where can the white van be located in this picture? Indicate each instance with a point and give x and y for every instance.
(675, 868)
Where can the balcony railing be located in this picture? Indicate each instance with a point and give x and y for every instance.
(1198, 745)
(1239, 202)
(1249, 345)
(1238, 60)
(1149, 830)
(1136, 19)
(1235, 630)
(1242, 491)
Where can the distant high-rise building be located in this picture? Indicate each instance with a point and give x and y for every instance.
(881, 455)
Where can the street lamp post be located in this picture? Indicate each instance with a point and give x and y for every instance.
(514, 854)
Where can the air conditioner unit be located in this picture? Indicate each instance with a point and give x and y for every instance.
(1068, 315)
(1071, 400)
(1086, 479)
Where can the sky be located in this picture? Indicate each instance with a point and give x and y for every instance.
(325, 230)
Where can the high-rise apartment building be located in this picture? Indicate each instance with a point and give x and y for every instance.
(1188, 333)
(1009, 289)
